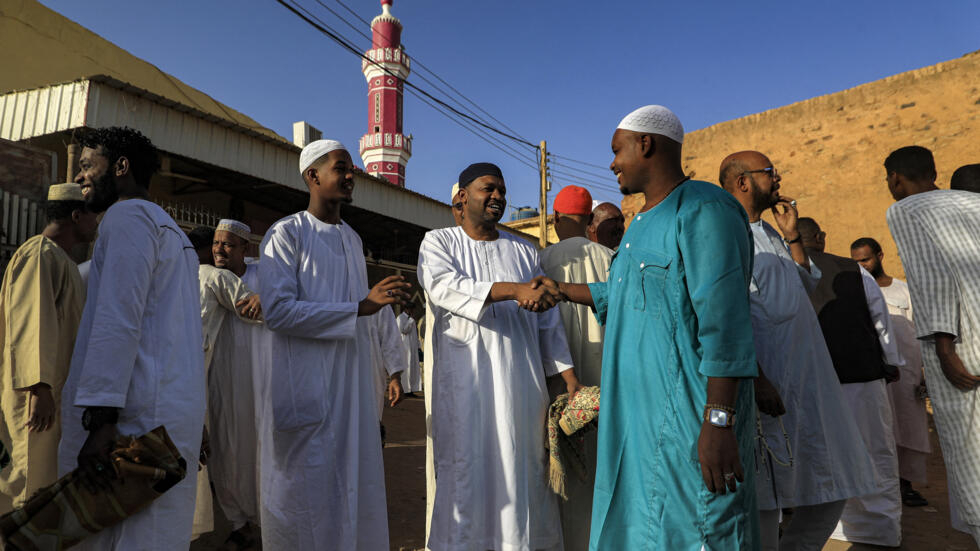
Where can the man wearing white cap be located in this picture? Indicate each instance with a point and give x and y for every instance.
(41, 304)
(231, 403)
(322, 473)
(675, 467)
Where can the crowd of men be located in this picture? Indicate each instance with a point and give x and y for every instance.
(757, 391)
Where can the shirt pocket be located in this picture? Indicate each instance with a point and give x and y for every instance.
(459, 330)
(648, 278)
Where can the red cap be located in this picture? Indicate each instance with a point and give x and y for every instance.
(573, 200)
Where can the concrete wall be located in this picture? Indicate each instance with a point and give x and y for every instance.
(830, 149)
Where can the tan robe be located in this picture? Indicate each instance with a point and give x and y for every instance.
(578, 260)
(41, 303)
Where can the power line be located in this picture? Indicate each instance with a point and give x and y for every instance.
(577, 170)
(582, 162)
(434, 74)
(573, 176)
(325, 29)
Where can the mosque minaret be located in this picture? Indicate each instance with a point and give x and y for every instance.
(385, 150)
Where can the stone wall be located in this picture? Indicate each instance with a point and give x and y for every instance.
(830, 149)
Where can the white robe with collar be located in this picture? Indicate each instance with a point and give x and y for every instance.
(322, 475)
(139, 349)
(830, 461)
(489, 396)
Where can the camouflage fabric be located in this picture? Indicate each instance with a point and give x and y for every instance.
(65, 513)
(567, 424)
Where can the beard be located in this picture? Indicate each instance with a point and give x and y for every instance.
(761, 200)
(876, 270)
(103, 193)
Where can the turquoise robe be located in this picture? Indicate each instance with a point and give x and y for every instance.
(676, 311)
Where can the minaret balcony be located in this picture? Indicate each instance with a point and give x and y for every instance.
(386, 140)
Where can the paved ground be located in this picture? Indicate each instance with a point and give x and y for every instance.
(923, 528)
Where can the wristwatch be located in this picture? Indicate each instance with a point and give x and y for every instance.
(799, 237)
(95, 417)
(719, 416)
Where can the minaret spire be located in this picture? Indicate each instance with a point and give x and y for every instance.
(385, 150)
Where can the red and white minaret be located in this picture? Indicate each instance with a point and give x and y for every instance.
(384, 149)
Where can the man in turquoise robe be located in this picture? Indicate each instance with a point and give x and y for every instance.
(678, 348)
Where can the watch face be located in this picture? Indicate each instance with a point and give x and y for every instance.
(718, 417)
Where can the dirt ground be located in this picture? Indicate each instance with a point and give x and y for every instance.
(923, 528)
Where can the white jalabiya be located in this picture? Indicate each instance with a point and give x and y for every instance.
(139, 349)
(490, 398)
(830, 461)
(875, 518)
(938, 238)
(322, 472)
(911, 420)
(428, 360)
(578, 260)
(220, 291)
(412, 376)
(387, 358)
(231, 412)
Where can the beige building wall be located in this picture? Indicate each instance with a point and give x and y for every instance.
(830, 149)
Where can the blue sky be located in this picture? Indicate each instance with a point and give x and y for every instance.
(561, 71)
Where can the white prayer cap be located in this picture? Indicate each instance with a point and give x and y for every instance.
(240, 229)
(654, 119)
(65, 192)
(452, 196)
(316, 149)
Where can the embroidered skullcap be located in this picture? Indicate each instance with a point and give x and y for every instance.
(65, 192)
(573, 200)
(452, 196)
(240, 229)
(476, 170)
(316, 149)
(654, 119)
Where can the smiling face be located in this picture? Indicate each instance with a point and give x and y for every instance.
(628, 160)
(331, 177)
(96, 179)
(484, 200)
(229, 251)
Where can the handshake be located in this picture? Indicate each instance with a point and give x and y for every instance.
(540, 294)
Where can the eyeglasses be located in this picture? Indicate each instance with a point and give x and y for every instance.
(770, 170)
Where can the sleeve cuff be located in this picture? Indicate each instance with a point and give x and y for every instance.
(84, 399)
(477, 305)
(600, 299)
(735, 369)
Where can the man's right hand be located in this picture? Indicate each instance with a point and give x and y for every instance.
(390, 290)
(94, 463)
(767, 397)
(41, 409)
(956, 373)
(250, 307)
(538, 295)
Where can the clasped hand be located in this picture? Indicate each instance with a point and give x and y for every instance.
(539, 294)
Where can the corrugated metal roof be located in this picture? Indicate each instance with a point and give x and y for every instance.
(51, 48)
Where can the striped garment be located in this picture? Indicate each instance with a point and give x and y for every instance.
(938, 238)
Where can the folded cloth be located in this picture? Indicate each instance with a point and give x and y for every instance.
(64, 513)
(567, 445)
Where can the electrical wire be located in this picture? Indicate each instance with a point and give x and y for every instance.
(336, 37)
(600, 167)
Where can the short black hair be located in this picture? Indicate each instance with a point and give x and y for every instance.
(121, 141)
(867, 242)
(201, 236)
(966, 178)
(61, 210)
(914, 162)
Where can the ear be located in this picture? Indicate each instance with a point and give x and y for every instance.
(462, 195)
(122, 166)
(76, 216)
(648, 146)
(311, 176)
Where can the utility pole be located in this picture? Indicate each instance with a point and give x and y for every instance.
(545, 187)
